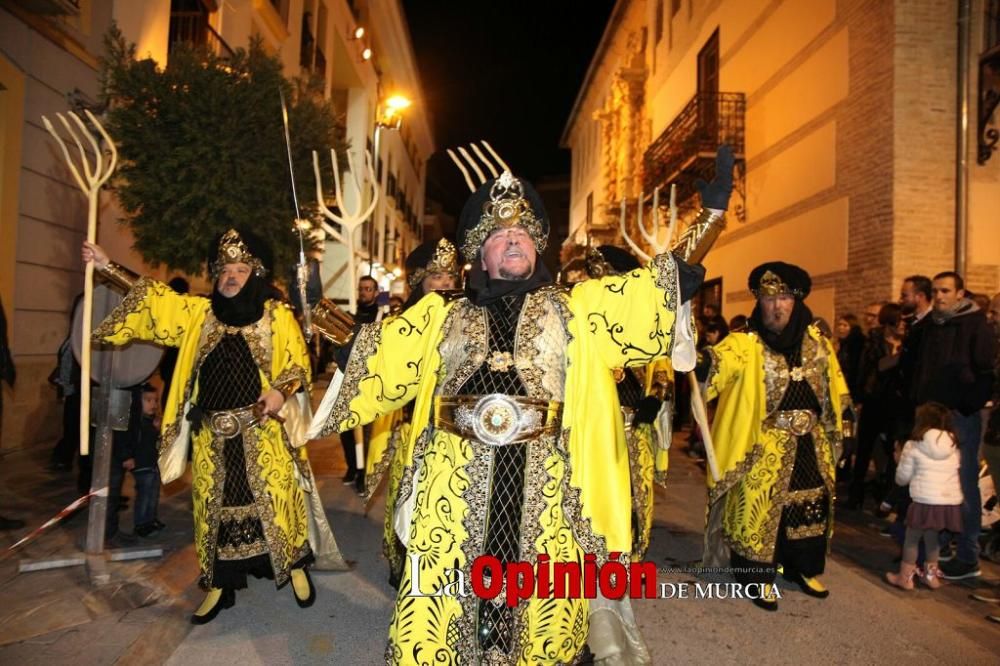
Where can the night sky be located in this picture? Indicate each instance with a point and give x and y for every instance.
(507, 72)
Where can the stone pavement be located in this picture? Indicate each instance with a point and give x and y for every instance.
(56, 617)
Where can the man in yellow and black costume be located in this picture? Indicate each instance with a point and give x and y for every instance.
(241, 355)
(775, 432)
(516, 454)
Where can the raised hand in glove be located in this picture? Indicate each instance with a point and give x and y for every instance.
(715, 195)
(647, 409)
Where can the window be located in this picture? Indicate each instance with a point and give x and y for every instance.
(590, 210)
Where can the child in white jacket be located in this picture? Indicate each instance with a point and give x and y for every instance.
(929, 463)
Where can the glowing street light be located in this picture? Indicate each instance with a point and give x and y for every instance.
(366, 54)
(359, 32)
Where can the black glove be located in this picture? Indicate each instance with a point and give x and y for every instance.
(716, 194)
(646, 410)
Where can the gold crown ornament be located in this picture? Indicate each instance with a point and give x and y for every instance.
(445, 260)
(506, 208)
(233, 250)
(772, 285)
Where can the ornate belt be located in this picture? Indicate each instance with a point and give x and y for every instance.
(796, 421)
(232, 422)
(497, 419)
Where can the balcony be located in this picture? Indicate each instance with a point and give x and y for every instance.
(192, 27)
(686, 150)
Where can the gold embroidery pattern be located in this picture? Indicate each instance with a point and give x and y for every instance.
(806, 531)
(284, 553)
(640, 458)
(366, 343)
(589, 540)
(666, 278)
(373, 480)
(468, 351)
(541, 340)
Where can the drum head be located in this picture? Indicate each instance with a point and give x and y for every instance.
(132, 364)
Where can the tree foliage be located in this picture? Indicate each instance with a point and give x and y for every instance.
(201, 149)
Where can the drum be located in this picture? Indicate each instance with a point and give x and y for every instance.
(132, 364)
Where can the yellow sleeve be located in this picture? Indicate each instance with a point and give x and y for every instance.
(385, 366)
(290, 358)
(631, 316)
(728, 360)
(152, 312)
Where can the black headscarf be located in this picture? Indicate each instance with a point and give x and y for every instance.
(247, 306)
(483, 290)
(799, 284)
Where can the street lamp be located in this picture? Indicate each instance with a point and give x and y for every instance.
(391, 117)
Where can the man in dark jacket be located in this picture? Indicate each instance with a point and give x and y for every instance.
(953, 365)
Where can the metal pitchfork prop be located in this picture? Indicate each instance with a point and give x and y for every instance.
(349, 220)
(494, 171)
(660, 246)
(90, 182)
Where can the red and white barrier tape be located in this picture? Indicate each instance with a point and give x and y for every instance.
(73, 506)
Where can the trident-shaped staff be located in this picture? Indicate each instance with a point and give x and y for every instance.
(349, 220)
(90, 183)
(660, 246)
(494, 171)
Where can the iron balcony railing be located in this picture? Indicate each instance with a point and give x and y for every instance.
(193, 28)
(685, 151)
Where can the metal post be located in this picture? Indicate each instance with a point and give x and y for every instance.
(100, 470)
(962, 142)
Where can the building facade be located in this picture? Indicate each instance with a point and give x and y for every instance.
(49, 52)
(843, 115)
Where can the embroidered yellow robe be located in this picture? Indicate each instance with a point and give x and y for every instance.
(153, 312)
(577, 490)
(754, 458)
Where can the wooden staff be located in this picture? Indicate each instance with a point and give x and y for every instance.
(90, 183)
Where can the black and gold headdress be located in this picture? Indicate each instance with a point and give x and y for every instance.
(776, 277)
(443, 259)
(506, 202)
(232, 249)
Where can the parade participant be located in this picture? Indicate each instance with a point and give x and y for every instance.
(515, 463)
(241, 356)
(430, 267)
(778, 421)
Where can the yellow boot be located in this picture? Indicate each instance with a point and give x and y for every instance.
(216, 599)
(303, 588)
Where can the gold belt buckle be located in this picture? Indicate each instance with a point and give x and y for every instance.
(497, 420)
(231, 422)
(799, 422)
